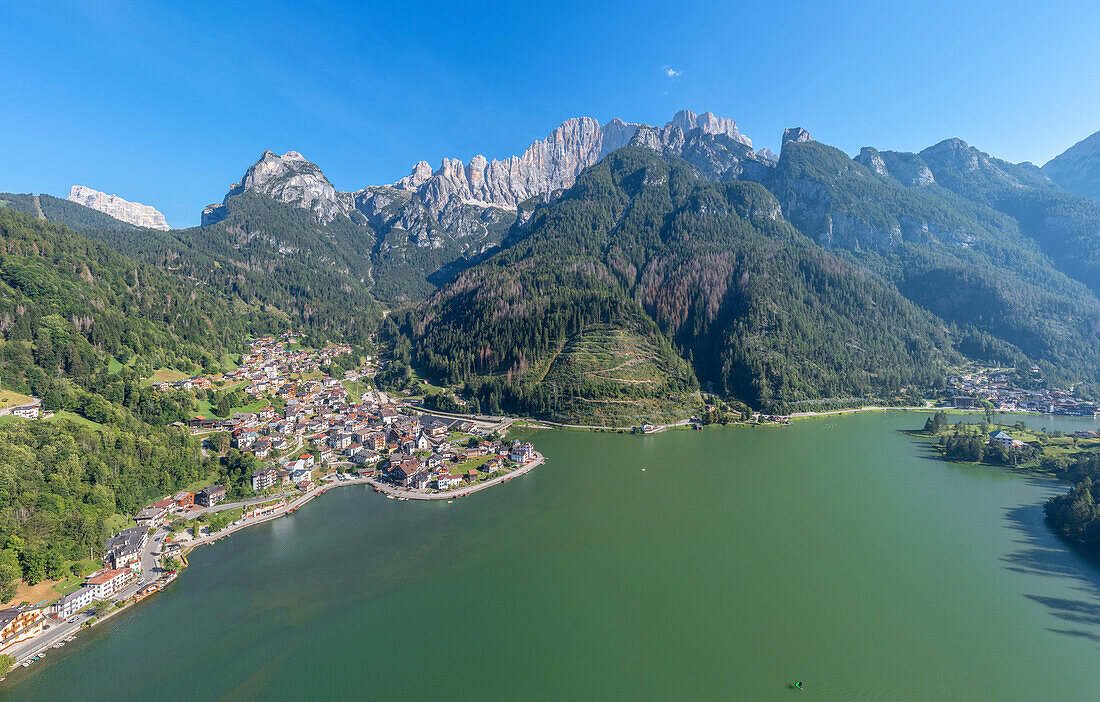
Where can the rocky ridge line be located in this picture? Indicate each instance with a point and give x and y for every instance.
(133, 213)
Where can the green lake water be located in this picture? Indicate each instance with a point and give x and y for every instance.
(838, 552)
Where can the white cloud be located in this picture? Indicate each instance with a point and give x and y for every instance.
(671, 72)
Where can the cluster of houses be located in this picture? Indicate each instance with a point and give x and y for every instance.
(309, 406)
(996, 387)
(158, 513)
(365, 433)
(197, 382)
(122, 552)
(1005, 440)
(412, 453)
(434, 470)
(268, 364)
(264, 366)
(122, 563)
(361, 432)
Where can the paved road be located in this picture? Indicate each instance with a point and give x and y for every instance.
(502, 423)
(221, 507)
(56, 632)
(854, 409)
(660, 427)
(62, 629)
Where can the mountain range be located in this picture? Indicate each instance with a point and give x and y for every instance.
(807, 278)
(432, 223)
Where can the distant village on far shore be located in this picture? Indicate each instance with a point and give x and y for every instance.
(994, 389)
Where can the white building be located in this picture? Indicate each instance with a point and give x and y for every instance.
(522, 452)
(299, 471)
(29, 410)
(73, 602)
(108, 582)
(263, 478)
(1000, 438)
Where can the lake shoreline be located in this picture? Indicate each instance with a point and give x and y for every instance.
(608, 546)
(397, 493)
(284, 511)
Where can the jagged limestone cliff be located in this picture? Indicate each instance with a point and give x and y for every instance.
(123, 210)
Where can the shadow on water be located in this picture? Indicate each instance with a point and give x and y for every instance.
(1042, 552)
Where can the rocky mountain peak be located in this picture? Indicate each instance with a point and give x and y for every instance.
(907, 168)
(709, 123)
(1077, 169)
(766, 154)
(546, 166)
(796, 134)
(419, 175)
(290, 178)
(962, 156)
(133, 213)
(869, 156)
(958, 153)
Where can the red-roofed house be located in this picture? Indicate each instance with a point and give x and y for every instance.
(107, 582)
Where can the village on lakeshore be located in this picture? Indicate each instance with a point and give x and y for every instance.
(305, 428)
(998, 389)
(313, 432)
(367, 436)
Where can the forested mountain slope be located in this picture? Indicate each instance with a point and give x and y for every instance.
(60, 211)
(1065, 226)
(970, 264)
(79, 327)
(641, 242)
(963, 252)
(431, 224)
(79, 304)
(266, 256)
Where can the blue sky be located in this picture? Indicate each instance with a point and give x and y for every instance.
(168, 103)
